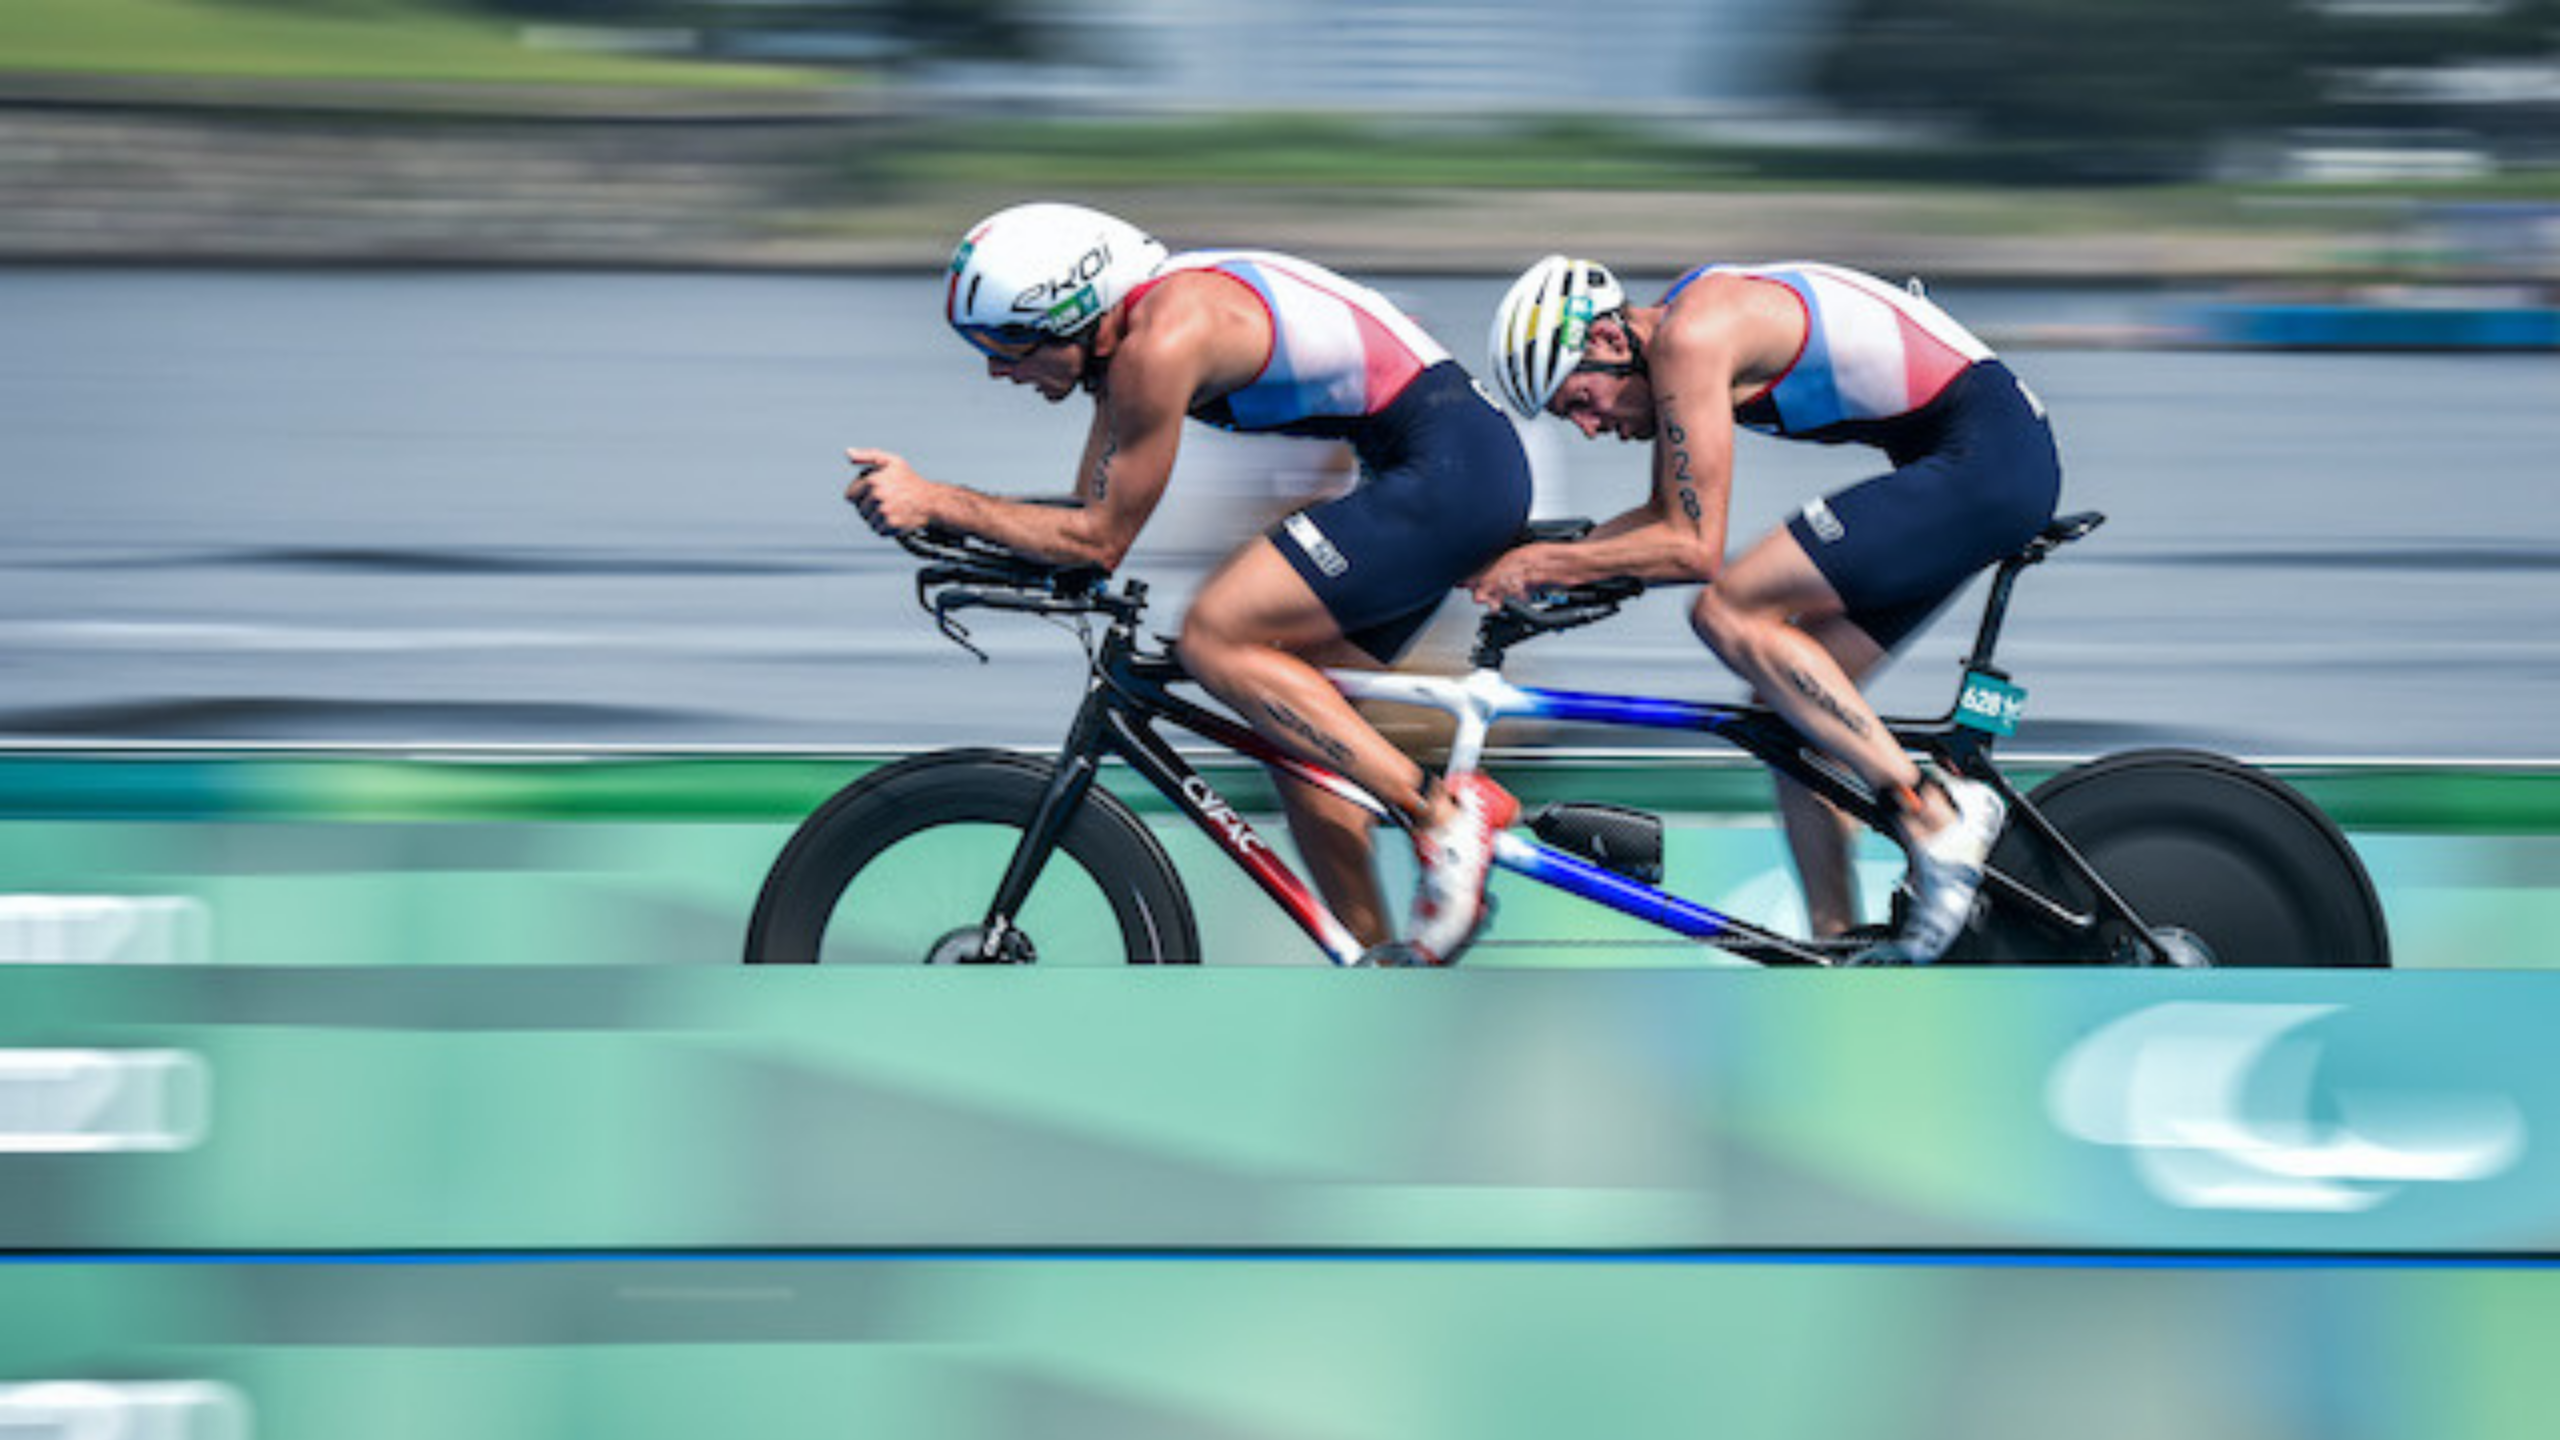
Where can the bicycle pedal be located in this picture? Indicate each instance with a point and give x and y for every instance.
(1615, 838)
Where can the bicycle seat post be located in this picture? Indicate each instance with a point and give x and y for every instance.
(1995, 612)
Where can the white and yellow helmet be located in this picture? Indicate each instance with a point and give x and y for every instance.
(1543, 324)
(1043, 270)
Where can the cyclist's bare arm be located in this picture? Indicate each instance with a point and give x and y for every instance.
(1128, 454)
(1118, 484)
(1716, 346)
(1191, 338)
(1651, 542)
(1182, 343)
(1109, 506)
(1677, 535)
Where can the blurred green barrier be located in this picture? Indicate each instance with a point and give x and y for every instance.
(473, 1127)
(463, 784)
(529, 857)
(1264, 1349)
(466, 785)
(611, 1107)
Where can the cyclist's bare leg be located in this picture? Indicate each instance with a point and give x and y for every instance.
(1334, 838)
(1333, 835)
(1254, 638)
(1820, 838)
(1759, 617)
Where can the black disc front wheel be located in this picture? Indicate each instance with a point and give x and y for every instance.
(2225, 865)
(900, 867)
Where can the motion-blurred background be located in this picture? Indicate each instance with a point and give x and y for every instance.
(451, 371)
(477, 369)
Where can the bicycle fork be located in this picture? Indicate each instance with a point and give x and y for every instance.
(1078, 764)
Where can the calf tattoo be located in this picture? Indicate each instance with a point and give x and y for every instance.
(1811, 689)
(1334, 751)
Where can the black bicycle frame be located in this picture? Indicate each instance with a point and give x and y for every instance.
(1128, 693)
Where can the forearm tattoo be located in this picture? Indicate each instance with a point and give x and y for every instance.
(1681, 466)
(1334, 751)
(1811, 689)
(1102, 467)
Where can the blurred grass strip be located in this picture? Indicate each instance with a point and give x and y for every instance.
(1251, 149)
(360, 786)
(1367, 161)
(396, 41)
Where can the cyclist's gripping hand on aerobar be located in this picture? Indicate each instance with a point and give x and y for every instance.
(892, 497)
(1064, 300)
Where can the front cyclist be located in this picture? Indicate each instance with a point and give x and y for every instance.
(1063, 298)
(1805, 352)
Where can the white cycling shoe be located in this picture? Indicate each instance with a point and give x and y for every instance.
(1946, 874)
(1449, 906)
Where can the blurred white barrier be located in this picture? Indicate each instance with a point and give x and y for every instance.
(104, 930)
(75, 1101)
(96, 1410)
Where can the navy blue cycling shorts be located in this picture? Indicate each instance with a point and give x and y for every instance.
(1444, 489)
(1975, 478)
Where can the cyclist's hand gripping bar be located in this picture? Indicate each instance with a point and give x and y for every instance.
(1548, 612)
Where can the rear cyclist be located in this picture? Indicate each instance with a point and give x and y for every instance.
(1813, 352)
(1062, 298)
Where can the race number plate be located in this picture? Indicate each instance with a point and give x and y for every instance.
(1990, 703)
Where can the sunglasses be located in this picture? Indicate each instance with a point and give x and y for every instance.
(1004, 342)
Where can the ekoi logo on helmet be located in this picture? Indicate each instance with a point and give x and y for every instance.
(1067, 302)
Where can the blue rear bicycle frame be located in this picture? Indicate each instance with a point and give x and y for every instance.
(1571, 873)
(1478, 700)
(1133, 695)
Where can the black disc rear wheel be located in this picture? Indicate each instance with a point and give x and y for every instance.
(2238, 863)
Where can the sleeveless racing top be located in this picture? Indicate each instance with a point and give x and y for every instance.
(1873, 354)
(1340, 352)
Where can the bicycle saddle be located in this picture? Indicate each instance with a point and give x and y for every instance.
(2063, 530)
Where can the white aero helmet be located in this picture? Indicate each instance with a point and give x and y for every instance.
(1040, 271)
(1539, 332)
